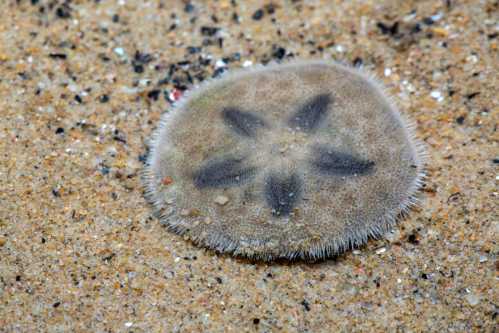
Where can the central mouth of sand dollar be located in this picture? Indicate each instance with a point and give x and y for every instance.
(285, 142)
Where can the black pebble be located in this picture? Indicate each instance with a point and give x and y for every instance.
(56, 304)
(388, 29)
(472, 95)
(306, 305)
(138, 69)
(143, 158)
(428, 21)
(105, 170)
(61, 56)
(78, 99)
(59, 130)
(209, 31)
(413, 239)
(357, 62)
(104, 57)
(256, 321)
(219, 71)
(63, 12)
(142, 58)
(279, 53)
(257, 15)
(235, 18)
(460, 120)
(193, 49)
(270, 9)
(154, 94)
(416, 28)
(119, 136)
(104, 98)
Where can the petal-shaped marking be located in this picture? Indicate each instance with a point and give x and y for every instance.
(331, 162)
(223, 173)
(282, 193)
(243, 123)
(311, 114)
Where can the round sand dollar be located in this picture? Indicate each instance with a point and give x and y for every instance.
(305, 159)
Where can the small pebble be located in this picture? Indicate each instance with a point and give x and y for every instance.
(437, 95)
(220, 64)
(339, 48)
(472, 299)
(119, 51)
(221, 200)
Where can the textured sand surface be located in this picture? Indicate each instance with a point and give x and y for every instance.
(82, 86)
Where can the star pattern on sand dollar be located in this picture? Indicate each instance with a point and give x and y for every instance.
(282, 190)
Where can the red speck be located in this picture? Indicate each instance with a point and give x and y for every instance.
(175, 95)
(167, 180)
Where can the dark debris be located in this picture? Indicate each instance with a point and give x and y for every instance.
(154, 94)
(63, 11)
(258, 15)
(60, 56)
(388, 29)
(306, 305)
(104, 98)
(209, 31)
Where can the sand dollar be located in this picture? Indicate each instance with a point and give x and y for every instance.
(304, 159)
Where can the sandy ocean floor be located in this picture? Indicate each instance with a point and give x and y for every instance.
(82, 86)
